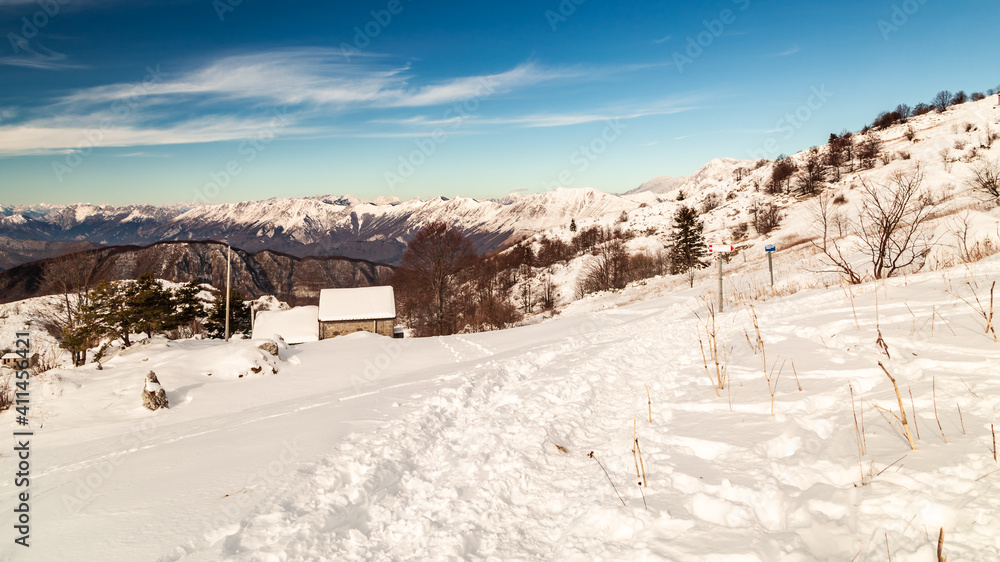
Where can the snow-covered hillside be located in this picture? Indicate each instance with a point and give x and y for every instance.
(479, 446)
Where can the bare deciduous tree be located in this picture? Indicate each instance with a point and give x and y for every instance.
(869, 149)
(430, 264)
(72, 275)
(813, 173)
(942, 100)
(891, 222)
(828, 219)
(889, 228)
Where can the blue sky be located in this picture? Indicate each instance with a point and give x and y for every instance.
(171, 101)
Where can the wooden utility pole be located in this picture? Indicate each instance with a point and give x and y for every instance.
(229, 268)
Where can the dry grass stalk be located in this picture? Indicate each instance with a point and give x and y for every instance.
(934, 394)
(858, 429)
(642, 465)
(591, 455)
(701, 346)
(981, 308)
(902, 411)
(993, 431)
(880, 342)
(854, 311)
(913, 409)
(940, 554)
(959, 406)
(772, 389)
(716, 348)
(796, 373)
(635, 457)
(649, 402)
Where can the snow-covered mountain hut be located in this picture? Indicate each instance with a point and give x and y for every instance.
(367, 309)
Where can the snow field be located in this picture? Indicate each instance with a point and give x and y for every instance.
(475, 471)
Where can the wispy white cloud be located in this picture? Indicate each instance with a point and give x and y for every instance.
(316, 89)
(320, 77)
(663, 39)
(211, 103)
(41, 58)
(34, 139)
(791, 51)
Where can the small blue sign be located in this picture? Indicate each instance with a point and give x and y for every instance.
(769, 248)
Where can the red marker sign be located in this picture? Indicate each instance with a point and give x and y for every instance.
(718, 248)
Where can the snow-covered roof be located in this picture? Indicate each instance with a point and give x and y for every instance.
(363, 303)
(297, 325)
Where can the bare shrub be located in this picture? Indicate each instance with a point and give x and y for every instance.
(711, 201)
(967, 247)
(904, 155)
(6, 393)
(610, 271)
(911, 133)
(960, 144)
(739, 232)
(766, 217)
(946, 159)
(644, 265)
(986, 177)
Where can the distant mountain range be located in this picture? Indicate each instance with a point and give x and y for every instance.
(289, 278)
(310, 226)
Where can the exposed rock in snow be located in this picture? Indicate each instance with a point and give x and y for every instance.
(153, 395)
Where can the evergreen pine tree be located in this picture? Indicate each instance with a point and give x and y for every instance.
(239, 315)
(109, 308)
(572, 225)
(687, 243)
(151, 306)
(188, 308)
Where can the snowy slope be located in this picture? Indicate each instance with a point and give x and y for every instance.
(478, 446)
